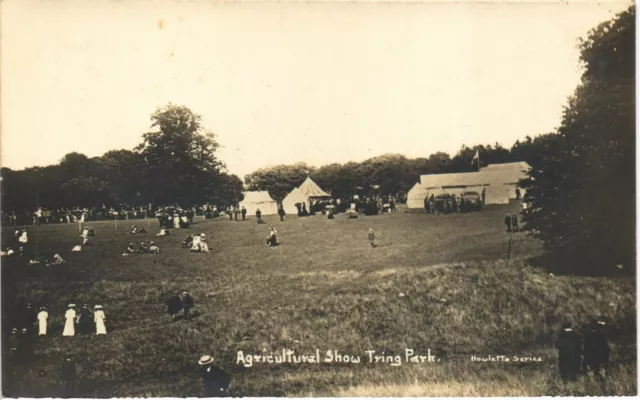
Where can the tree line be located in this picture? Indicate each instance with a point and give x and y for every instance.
(174, 164)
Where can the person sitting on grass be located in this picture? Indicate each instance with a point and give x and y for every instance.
(272, 240)
(143, 249)
(7, 252)
(130, 249)
(77, 248)
(164, 232)
(57, 259)
(153, 249)
(204, 247)
(134, 230)
(187, 242)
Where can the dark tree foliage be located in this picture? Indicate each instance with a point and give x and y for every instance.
(581, 191)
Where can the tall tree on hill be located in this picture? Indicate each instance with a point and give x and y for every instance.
(180, 157)
(582, 194)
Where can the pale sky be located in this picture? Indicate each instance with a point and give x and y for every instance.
(287, 82)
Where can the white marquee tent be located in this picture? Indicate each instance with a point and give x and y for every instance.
(254, 200)
(308, 190)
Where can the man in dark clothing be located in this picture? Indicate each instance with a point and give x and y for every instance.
(68, 376)
(514, 222)
(484, 194)
(187, 304)
(281, 214)
(596, 348)
(259, 215)
(569, 347)
(392, 205)
(507, 222)
(517, 194)
(215, 381)
(244, 213)
(174, 306)
(236, 211)
(85, 320)
(230, 211)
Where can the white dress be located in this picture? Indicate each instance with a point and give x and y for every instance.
(42, 322)
(195, 245)
(23, 238)
(69, 327)
(176, 222)
(98, 317)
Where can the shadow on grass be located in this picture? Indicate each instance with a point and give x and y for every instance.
(560, 263)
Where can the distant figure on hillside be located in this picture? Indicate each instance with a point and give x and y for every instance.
(84, 320)
(518, 194)
(514, 222)
(70, 324)
(174, 306)
(43, 315)
(507, 222)
(244, 213)
(98, 318)
(259, 216)
(372, 238)
(484, 194)
(272, 240)
(569, 348)
(215, 381)
(281, 213)
(230, 212)
(392, 204)
(596, 348)
(187, 304)
(236, 211)
(23, 238)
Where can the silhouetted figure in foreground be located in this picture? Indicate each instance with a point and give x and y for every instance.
(69, 377)
(596, 348)
(507, 222)
(215, 381)
(174, 306)
(569, 347)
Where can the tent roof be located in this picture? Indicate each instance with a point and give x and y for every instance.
(257, 197)
(310, 189)
(496, 174)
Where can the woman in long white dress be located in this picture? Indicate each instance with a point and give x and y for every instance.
(42, 320)
(70, 324)
(23, 238)
(98, 317)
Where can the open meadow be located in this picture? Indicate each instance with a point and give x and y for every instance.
(438, 283)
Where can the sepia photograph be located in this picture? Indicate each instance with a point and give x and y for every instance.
(317, 199)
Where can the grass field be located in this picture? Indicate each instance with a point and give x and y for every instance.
(440, 283)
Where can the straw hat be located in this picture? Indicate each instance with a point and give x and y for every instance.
(71, 305)
(203, 235)
(205, 360)
(97, 308)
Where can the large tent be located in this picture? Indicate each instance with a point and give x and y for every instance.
(499, 181)
(259, 200)
(302, 194)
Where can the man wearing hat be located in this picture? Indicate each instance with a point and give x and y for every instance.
(596, 347)
(187, 304)
(215, 381)
(68, 375)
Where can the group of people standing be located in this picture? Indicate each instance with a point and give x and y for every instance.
(177, 305)
(580, 353)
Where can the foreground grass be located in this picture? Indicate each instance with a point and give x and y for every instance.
(439, 283)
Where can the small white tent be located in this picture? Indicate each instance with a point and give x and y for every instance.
(289, 202)
(259, 200)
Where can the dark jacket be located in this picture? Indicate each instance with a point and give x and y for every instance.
(216, 381)
(187, 301)
(174, 304)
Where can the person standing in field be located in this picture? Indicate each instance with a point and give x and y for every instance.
(569, 347)
(84, 321)
(514, 222)
(596, 348)
(484, 194)
(507, 222)
(281, 213)
(244, 213)
(68, 375)
(174, 306)
(43, 315)
(372, 238)
(69, 325)
(187, 304)
(98, 318)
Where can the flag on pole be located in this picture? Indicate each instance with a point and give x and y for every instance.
(476, 157)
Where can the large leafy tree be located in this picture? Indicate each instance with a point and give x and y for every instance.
(581, 194)
(180, 158)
